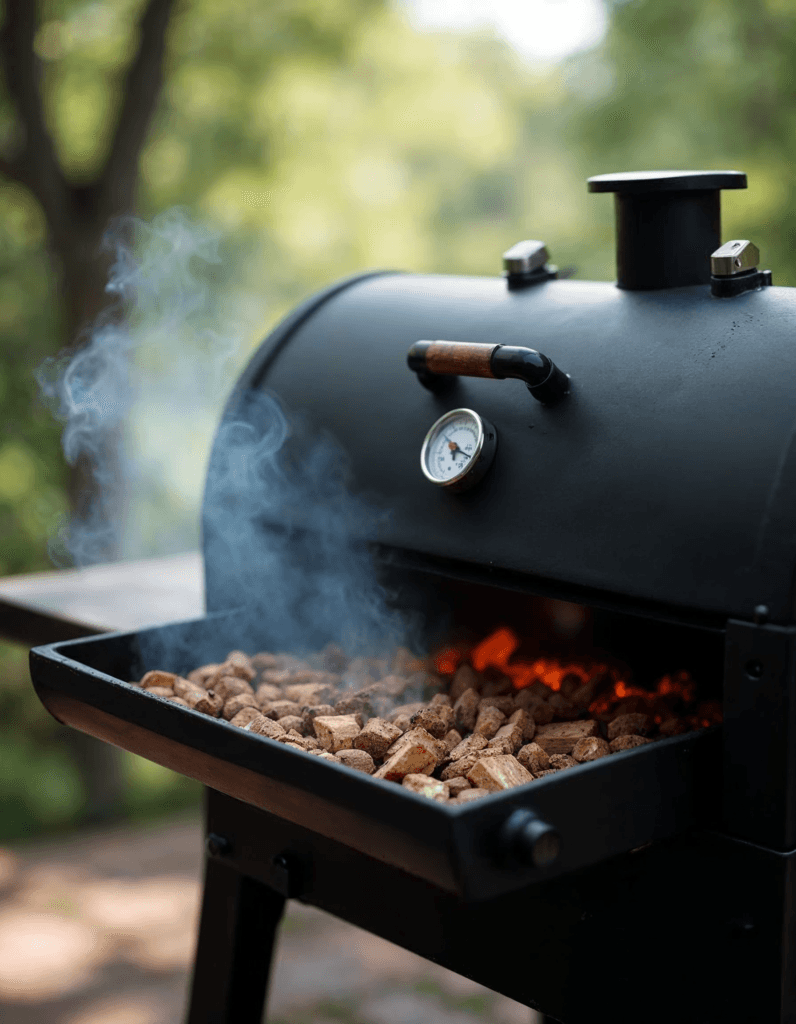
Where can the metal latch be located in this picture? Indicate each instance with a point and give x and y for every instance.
(733, 269)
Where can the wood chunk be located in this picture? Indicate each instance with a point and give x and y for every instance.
(244, 716)
(497, 686)
(359, 759)
(442, 698)
(263, 726)
(203, 673)
(505, 704)
(569, 684)
(405, 709)
(461, 766)
(635, 705)
(227, 687)
(163, 680)
(526, 698)
(267, 692)
(404, 663)
(465, 711)
(489, 721)
(452, 739)
(353, 703)
(231, 668)
(627, 742)
(401, 722)
(326, 756)
(238, 658)
(468, 795)
(509, 737)
(310, 693)
(264, 660)
(586, 694)
(469, 745)
(561, 737)
(426, 786)
(282, 708)
(542, 714)
(561, 761)
(674, 727)
(309, 714)
(457, 785)
(291, 736)
(414, 758)
(238, 703)
(336, 732)
(563, 708)
(534, 758)
(418, 735)
(183, 687)
(526, 722)
(179, 700)
(548, 771)
(294, 722)
(160, 691)
(430, 720)
(464, 678)
(377, 737)
(496, 773)
(590, 748)
(208, 703)
(637, 724)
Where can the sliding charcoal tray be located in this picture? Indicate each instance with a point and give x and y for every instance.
(599, 809)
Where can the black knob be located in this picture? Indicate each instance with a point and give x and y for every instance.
(667, 224)
(529, 839)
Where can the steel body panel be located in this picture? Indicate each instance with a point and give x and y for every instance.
(600, 809)
(697, 929)
(668, 475)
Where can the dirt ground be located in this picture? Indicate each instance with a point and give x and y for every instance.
(100, 929)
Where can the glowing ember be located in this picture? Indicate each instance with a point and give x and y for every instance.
(497, 649)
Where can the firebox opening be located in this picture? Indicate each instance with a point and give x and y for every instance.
(529, 638)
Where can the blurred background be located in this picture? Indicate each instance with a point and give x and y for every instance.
(303, 140)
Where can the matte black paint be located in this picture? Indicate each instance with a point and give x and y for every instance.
(667, 476)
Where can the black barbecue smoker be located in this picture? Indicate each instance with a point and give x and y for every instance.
(634, 452)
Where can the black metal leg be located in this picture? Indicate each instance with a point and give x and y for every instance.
(237, 935)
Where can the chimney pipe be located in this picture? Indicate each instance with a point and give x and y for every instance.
(667, 224)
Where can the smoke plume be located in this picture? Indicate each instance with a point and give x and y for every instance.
(140, 402)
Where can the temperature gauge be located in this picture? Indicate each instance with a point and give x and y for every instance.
(458, 450)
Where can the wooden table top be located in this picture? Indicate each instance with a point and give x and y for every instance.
(45, 607)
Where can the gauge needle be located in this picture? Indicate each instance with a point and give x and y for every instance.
(455, 448)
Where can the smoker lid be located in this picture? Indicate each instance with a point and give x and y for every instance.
(668, 476)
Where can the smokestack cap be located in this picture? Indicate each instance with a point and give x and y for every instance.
(636, 182)
(667, 224)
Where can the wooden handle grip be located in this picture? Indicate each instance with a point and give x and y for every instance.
(462, 358)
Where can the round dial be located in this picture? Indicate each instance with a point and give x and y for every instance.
(458, 449)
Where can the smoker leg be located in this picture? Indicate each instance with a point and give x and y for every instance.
(237, 935)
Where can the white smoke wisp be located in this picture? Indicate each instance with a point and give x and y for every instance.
(139, 398)
(283, 535)
(141, 403)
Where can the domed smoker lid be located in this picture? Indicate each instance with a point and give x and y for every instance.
(629, 182)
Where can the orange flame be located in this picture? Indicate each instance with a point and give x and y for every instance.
(496, 650)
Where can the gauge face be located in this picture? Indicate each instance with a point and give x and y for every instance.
(458, 449)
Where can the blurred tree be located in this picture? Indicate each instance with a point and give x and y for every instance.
(77, 211)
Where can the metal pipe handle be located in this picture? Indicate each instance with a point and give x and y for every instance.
(438, 364)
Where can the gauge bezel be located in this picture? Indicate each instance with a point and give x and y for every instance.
(480, 460)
